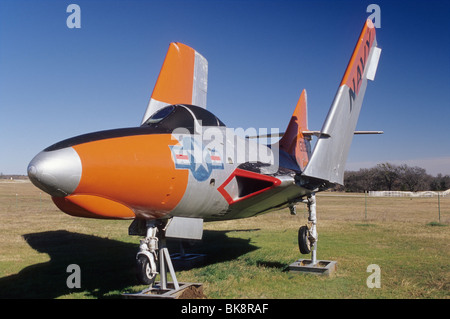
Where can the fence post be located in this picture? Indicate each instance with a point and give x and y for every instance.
(365, 205)
(439, 206)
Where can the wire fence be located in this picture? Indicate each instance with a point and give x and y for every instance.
(408, 194)
(20, 198)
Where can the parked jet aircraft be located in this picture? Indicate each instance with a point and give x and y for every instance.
(183, 166)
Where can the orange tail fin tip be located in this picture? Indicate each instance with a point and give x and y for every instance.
(293, 141)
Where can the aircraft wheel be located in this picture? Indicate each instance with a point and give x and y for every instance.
(144, 271)
(303, 240)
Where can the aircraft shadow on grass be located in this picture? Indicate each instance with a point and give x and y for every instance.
(105, 265)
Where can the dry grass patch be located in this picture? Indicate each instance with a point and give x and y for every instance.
(246, 258)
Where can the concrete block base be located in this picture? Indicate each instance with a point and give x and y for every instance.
(322, 267)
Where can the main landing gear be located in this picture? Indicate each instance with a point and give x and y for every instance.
(307, 234)
(307, 242)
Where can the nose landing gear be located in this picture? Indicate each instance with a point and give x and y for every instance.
(152, 259)
(147, 257)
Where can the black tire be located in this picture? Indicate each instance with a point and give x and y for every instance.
(303, 241)
(143, 271)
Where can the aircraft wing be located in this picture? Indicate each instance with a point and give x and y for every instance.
(183, 79)
(250, 193)
(328, 159)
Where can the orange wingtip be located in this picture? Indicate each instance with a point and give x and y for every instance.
(175, 81)
(355, 69)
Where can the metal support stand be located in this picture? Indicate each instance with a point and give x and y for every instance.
(164, 260)
(313, 266)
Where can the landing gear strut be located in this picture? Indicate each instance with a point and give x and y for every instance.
(147, 257)
(153, 256)
(307, 235)
(307, 242)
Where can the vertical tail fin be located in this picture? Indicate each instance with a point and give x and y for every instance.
(293, 142)
(330, 153)
(183, 79)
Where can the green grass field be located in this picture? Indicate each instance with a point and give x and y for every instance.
(245, 258)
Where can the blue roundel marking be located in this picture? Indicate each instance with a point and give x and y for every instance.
(193, 156)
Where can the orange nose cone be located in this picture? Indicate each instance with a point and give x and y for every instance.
(137, 172)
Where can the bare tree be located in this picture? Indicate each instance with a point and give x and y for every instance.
(440, 183)
(389, 174)
(413, 178)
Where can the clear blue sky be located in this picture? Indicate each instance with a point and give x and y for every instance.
(57, 82)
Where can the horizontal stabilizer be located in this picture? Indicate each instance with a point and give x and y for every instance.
(319, 133)
(310, 133)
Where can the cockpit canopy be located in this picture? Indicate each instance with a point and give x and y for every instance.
(182, 116)
(164, 121)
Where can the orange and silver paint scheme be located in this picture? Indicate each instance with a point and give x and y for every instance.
(171, 166)
(111, 167)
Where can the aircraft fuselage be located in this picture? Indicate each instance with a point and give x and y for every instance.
(148, 172)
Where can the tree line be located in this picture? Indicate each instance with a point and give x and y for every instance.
(390, 177)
